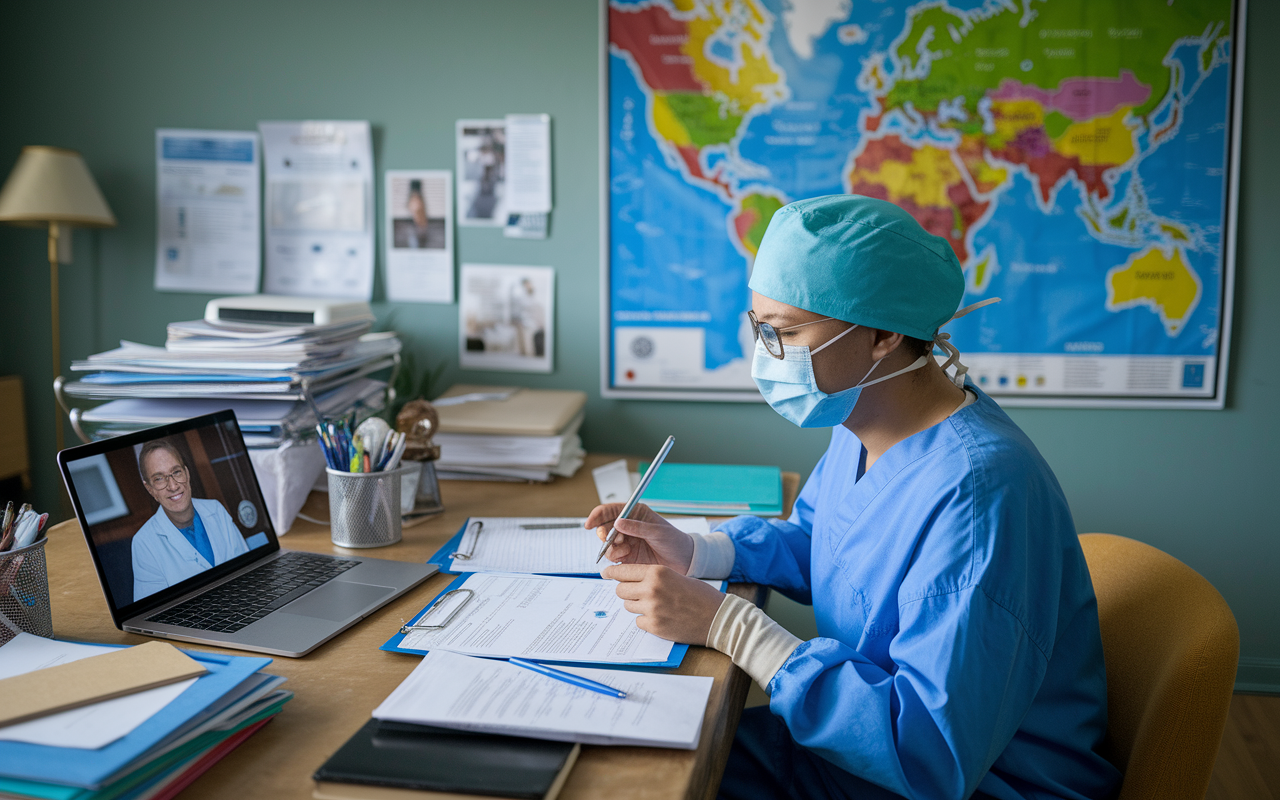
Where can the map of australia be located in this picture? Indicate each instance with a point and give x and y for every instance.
(1073, 153)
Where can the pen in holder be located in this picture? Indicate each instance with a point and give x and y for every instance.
(24, 592)
(364, 507)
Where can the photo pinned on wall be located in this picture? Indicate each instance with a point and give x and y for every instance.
(419, 236)
(482, 169)
(507, 317)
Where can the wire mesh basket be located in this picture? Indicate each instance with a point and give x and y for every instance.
(364, 507)
(24, 592)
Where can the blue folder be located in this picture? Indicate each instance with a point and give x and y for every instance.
(90, 769)
(673, 660)
(714, 489)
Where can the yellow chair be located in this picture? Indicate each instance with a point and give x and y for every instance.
(1171, 646)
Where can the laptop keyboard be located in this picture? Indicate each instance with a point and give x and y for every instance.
(253, 595)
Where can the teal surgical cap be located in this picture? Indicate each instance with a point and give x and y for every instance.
(861, 260)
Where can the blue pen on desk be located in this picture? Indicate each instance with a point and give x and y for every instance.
(569, 677)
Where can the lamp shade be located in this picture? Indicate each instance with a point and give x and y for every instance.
(50, 184)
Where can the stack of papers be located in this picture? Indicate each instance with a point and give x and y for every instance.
(235, 368)
(264, 422)
(509, 433)
(150, 744)
(268, 374)
(476, 694)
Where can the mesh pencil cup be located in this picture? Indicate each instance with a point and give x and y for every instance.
(24, 592)
(364, 507)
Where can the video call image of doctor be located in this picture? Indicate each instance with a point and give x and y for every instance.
(187, 535)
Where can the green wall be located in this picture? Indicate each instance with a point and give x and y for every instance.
(101, 77)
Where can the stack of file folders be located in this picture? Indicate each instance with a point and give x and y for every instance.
(275, 377)
(231, 361)
(154, 759)
(508, 433)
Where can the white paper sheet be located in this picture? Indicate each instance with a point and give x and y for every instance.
(613, 482)
(208, 204)
(455, 691)
(529, 163)
(89, 727)
(503, 545)
(482, 170)
(319, 208)
(419, 235)
(542, 617)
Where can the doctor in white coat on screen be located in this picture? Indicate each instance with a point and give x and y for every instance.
(185, 536)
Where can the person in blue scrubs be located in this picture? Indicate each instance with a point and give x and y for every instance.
(958, 651)
(185, 536)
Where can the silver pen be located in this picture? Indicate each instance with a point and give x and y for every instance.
(640, 487)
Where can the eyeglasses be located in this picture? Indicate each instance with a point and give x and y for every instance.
(764, 332)
(176, 478)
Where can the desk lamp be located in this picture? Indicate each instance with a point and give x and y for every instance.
(52, 186)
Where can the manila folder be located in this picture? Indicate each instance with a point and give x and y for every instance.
(115, 673)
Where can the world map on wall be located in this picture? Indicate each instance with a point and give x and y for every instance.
(1075, 155)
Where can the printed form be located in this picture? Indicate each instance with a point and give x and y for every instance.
(454, 691)
(548, 545)
(207, 207)
(319, 210)
(540, 617)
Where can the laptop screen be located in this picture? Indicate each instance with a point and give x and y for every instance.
(168, 509)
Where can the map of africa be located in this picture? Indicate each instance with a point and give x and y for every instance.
(1075, 154)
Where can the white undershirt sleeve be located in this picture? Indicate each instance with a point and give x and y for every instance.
(747, 635)
(712, 555)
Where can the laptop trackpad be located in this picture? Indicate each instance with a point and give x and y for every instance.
(338, 600)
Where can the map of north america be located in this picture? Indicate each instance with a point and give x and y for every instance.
(1073, 154)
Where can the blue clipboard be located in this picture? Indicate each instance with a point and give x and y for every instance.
(392, 645)
(444, 555)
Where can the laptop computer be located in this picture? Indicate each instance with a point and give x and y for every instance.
(185, 550)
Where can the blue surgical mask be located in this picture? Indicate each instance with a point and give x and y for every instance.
(790, 387)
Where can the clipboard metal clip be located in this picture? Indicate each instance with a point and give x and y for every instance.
(464, 594)
(473, 531)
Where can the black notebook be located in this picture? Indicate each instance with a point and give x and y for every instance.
(400, 756)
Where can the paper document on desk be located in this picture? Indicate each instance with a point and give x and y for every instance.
(614, 483)
(541, 617)
(528, 544)
(89, 727)
(453, 691)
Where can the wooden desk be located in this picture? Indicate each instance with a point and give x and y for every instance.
(339, 685)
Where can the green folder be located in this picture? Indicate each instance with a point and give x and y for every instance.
(714, 489)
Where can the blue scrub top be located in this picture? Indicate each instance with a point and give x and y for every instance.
(958, 645)
(199, 538)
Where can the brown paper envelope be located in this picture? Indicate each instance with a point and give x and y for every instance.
(115, 673)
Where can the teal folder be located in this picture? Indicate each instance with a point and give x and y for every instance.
(714, 489)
